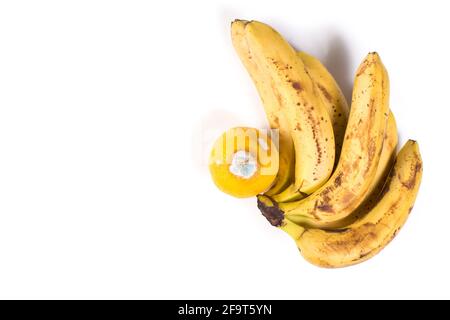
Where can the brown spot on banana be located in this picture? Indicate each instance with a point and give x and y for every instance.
(372, 147)
(325, 92)
(296, 85)
(276, 122)
(365, 65)
(319, 152)
(314, 213)
(410, 183)
(362, 255)
(325, 193)
(325, 207)
(394, 206)
(338, 180)
(394, 234)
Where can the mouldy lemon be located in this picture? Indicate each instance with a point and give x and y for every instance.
(243, 162)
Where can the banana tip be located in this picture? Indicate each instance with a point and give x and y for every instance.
(244, 22)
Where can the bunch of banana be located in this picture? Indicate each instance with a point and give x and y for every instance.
(338, 193)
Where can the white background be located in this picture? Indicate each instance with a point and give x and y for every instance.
(107, 109)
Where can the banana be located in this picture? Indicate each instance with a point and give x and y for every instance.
(386, 161)
(387, 156)
(271, 106)
(375, 229)
(358, 163)
(309, 123)
(331, 96)
(336, 105)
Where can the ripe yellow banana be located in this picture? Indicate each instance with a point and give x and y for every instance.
(271, 106)
(336, 106)
(359, 159)
(375, 229)
(309, 123)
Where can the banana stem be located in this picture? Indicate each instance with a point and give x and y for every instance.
(292, 229)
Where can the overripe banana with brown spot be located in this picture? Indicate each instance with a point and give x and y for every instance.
(334, 102)
(377, 226)
(331, 95)
(384, 166)
(271, 105)
(358, 163)
(308, 121)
